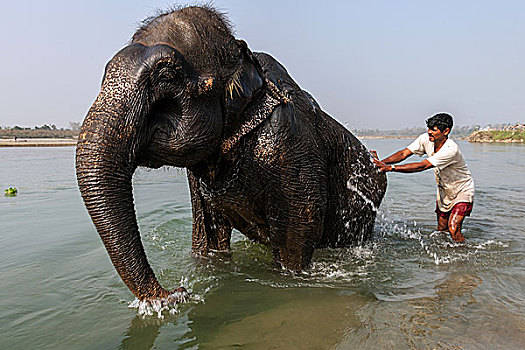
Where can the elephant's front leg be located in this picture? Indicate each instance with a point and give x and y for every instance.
(211, 232)
(295, 232)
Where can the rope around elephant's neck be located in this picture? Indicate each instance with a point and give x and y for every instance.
(281, 95)
(256, 114)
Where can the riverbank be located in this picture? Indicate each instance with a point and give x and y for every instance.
(44, 142)
(501, 136)
(395, 137)
(384, 137)
(478, 136)
(506, 136)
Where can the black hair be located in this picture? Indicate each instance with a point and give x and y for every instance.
(440, 121)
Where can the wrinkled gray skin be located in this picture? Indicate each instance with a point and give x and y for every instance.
(261, 155)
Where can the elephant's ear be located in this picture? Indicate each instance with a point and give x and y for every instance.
(244, 83)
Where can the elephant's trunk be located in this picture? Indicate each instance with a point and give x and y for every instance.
(105, 163)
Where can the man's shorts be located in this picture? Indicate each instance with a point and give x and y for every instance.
(461, 208)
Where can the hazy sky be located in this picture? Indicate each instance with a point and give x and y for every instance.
(370, 64)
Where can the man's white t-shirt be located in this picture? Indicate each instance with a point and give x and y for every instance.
(454, 180)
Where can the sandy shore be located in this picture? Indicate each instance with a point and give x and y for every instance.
(37, 142)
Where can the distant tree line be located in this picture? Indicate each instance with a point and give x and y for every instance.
(44, 131)
(457, 131)
(74, 126)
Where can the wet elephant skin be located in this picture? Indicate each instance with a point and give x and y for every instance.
(261, 155)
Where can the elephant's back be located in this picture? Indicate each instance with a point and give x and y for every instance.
(347, 159)
(354, 186)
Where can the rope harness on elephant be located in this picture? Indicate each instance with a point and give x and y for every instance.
(210, 191)
(256, 113)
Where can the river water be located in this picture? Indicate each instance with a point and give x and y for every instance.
(410, 287)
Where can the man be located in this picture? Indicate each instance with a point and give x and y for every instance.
(455, 193)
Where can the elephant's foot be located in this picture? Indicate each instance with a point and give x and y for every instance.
(295, 260)
(168, 303)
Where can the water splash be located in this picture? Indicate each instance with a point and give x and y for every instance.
(436, 245)
(491, 244)
(433, 244)
(345, 266)
(159, 307)
(367, 200)
(330, 268)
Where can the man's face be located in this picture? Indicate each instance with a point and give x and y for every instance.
(435, 134)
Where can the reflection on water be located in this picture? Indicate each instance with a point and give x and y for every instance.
(142, 333)
(410, 287)
(440, 313)
(430, 322)
(314, 319)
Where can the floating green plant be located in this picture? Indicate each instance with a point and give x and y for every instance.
(11, 192)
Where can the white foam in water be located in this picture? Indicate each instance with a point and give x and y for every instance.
(329, 269)
(159, 306)
(490, 243)
(359, 257)
(432, 244)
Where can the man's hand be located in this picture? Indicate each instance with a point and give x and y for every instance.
(382, 166)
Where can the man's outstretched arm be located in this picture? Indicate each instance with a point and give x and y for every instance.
(397, 157)
(404, 168)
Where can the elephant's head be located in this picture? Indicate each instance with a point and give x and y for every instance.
(168, 98)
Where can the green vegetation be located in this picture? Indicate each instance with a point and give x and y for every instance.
(498, 136)
(11, 192)
(508, 135)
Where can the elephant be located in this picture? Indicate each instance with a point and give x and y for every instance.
(260, 154)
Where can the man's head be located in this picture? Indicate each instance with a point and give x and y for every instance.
(439, 126)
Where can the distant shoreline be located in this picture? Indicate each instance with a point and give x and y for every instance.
(24, 142)
(395, 137)
(478, 139)
(69, 142)
(383, 137)
(500, 136)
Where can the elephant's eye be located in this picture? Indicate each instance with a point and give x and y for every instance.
(167, 69)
